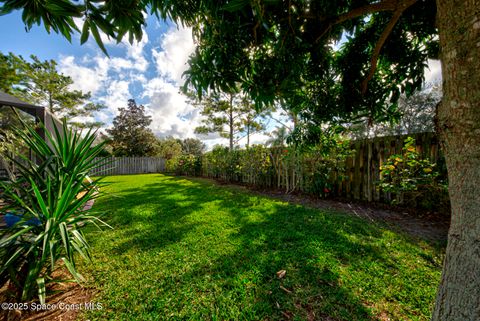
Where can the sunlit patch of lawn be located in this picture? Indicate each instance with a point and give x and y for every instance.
(189, 249)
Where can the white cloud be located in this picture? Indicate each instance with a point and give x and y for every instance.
(120, 63)
(112, 81)
(212, 142)
(256, 138)
(117, 94)
(176, 47)
(135, 52)
(84, 78)
(171, 114)
(108, 79)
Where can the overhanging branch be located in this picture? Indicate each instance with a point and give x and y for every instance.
(378, 47)
(386, 5)
(402, 6)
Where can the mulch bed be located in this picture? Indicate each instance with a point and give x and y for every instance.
(69, 299)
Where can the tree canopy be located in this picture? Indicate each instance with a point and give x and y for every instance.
(416, 114)
(193, 146)
(326, 59)
(170, 147)
(130, 135)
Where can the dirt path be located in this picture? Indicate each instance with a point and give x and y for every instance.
(433, 228)
(428, 227)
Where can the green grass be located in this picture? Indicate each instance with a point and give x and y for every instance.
(187, 249)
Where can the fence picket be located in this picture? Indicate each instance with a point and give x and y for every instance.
(128, 165)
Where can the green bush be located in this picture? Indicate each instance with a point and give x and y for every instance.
(49, 198)
(310, 169)
(413, 180)
(255, 165)
(189, 165)
(324, 165)
(221, 163)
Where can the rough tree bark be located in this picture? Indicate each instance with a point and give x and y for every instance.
(458, 23)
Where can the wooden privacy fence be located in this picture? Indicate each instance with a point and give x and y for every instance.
(128, 165)
(363, 167)
(356, 177)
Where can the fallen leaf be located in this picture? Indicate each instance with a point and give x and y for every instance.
(281, 274)
(285, 289)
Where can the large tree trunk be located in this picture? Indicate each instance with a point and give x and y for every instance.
(459, 125)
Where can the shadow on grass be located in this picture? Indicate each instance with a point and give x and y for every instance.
(246, 240)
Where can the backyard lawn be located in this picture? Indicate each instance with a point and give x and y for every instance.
(190, 249)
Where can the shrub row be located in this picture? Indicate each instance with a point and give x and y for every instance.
(407, 178)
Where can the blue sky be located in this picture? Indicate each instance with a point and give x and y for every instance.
(149, 71)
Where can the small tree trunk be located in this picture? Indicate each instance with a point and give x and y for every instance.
(230, 123)
(50, 102)
(458, 23)
(248, 135)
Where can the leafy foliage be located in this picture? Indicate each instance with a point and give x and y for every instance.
(169, 147)
(130, 135)
(416, 114)
(192, 146)
(185, 164)
(413, 179)
(278, 137)
(11, 144)
(184, 157)
(12, 71)
(312, 169)
(275, 51)
(222, 163)
(278, 52)
(48, 199)
(324, 165)
(46, 86)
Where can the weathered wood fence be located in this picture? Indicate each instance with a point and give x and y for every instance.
(358, 178)
(363, 167)
(128, 165)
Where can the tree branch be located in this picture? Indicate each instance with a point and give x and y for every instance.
(402, 6)
(386, 5)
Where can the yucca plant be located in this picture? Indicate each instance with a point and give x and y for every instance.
(49, 198)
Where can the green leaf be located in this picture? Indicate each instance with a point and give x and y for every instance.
(71, 268)
(98, 39)
(41, 290)
(85, 32)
